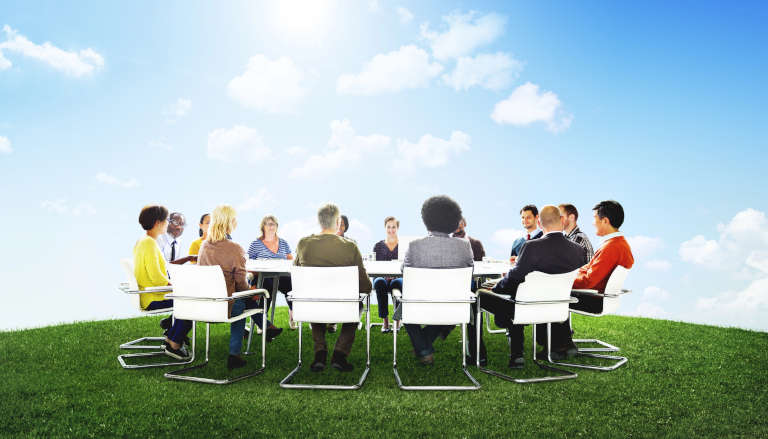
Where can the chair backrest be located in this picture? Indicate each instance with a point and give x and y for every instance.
(133, 285)
(325, 285)
(436, 284)
(199, 281)
(540, 288)
(614, 286)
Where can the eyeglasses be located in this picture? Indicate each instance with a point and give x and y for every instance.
(270, 224)
(177, 223)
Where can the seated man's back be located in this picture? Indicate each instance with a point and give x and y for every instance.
(439, 250)
(331, 251)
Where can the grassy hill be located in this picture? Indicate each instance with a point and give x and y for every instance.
(682, 380)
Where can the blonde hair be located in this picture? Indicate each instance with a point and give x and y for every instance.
(222, 222)
(264, 221)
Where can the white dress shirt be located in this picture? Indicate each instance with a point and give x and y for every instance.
(165, 241)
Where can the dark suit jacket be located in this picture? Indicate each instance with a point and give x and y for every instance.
(551, 254)
(518, 244)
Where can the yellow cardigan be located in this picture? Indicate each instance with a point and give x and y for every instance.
(149, 269)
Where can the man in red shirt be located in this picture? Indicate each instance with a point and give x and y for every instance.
(609, 216)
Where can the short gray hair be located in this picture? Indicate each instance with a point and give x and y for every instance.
(328, 215)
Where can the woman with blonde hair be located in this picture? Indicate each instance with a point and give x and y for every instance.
(219, 250)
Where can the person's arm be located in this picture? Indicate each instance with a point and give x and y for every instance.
(184, 260)
(516, 275)
(288, 254)
(599, 268)
(241, 275)
(155, 265)
(365, 282)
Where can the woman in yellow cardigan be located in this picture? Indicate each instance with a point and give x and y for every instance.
(194, 247)
(149, 269)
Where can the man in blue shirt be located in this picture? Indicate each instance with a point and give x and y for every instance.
(529, 216)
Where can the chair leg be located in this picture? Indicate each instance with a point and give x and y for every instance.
(606, 347)
(618, 361)
(178, 374)
(488, 325)
(137, 344)
(157, 353)
(475, 385)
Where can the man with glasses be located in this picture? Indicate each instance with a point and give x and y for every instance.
(170, 244)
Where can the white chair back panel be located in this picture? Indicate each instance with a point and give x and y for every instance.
(543, 313)
(326, 283)
(436, 284)
(616, 280)
(128, 268)
(199, 281)
(540, 286)
(610, 305)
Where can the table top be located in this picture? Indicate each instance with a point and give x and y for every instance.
(373, 268)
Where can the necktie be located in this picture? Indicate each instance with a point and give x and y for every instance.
(173, 250)
(527, 239)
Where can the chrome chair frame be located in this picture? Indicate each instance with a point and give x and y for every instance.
(286, 383)
(179, 374)
(475, 385)
(564, 374)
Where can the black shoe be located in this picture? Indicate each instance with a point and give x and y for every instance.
(471, 361)
(319, 364)
(179, 354)
(166, 323)
(273, 332)
(516, 362)
(555, 355)
(427, 360)
(444, 332)
(235, 362)
(339, 361)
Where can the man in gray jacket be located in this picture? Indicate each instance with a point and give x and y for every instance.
(441, 216)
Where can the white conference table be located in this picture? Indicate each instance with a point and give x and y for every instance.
(274, 268)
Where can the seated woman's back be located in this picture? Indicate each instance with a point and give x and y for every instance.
(230, 257)
(149, 269)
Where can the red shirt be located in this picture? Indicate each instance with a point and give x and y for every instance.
(595, 274)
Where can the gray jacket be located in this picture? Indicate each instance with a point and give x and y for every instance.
(439, 250)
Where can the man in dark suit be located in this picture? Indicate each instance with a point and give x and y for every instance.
(529, 218)
(553, 253)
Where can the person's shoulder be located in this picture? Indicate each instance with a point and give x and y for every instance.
(146, 242)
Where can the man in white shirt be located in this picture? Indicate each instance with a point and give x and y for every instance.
(170, 243)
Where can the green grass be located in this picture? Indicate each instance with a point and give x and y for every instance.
(682, 380)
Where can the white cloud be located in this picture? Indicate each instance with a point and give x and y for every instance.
(358, 230)
(177, 110)
(239, 143)
(507, 236)
(294, 230)
(526, 105)
(700, 250)
(747, 308)
(82, 63)
(643, 246)
(655, 294)
(5, 145)
(430, 151)
(758, 260)
(658, 265)
(296, 151)
(374, 6)
(494, 71)
(404, 14)
(406, 68)
(464, 33)
(344, 147)
(105, 178)
(160, 144)
(62, 207)
(260, 200)
(274, 86)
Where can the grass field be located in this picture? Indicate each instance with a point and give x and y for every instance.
(682, 380)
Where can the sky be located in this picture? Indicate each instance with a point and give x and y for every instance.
(278, 107)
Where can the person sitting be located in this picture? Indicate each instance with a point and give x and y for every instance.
(170, 241)
(608, 217)
(344, 227)
(441, 216)
(478, 252)
(387, 250)
(571, 229)
(150, 271)
(230, 256)
(270, 246)
(529, 216)
(551, 254)
(194, 246)
(329, 250)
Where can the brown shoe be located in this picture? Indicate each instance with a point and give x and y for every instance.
(427, 360)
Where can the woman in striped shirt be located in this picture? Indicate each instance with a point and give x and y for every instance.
(270, 246)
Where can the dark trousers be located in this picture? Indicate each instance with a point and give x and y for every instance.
(283, 284)
(343, 343)
(422, 338)
(588, 303)
(180, 328)
(384, 287)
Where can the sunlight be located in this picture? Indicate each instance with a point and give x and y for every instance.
(304, 18)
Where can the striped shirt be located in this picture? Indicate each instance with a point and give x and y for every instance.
(580, 238)
(257, 250)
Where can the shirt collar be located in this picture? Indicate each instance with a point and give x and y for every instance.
(435, 233)
(612, 235)
(534, 233)
(554, 231)
(574, 231)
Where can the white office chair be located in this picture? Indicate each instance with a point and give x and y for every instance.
(156, 348)
(433, 296)
(611, 298)
(542, 298)
(200, 295)
(328, 295)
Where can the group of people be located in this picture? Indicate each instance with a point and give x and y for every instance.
(552, 244)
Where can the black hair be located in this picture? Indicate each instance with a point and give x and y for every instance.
(441, 214)
(202, 218)
(530, 207)
(612, 210)
(150, 215)
(345, 220)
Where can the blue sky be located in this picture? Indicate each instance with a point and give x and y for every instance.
(277, 107)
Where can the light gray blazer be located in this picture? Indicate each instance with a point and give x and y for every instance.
(439, 250)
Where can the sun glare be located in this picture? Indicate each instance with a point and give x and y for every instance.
(304, 18)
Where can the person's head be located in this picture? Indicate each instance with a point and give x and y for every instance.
(154, 219)
(343, 226)
(223, 223)
(328, 217)
(550, 219)
(268, 227)
(205, 221)
(459, 232)
(391, 225)
(441, 214)
(528, 216)
(569, 214)
(609, 216)
(176, 224)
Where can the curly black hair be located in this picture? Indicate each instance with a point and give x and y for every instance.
(150, 215)
(441, 214)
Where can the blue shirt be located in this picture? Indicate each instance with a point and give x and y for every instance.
(257, 250)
